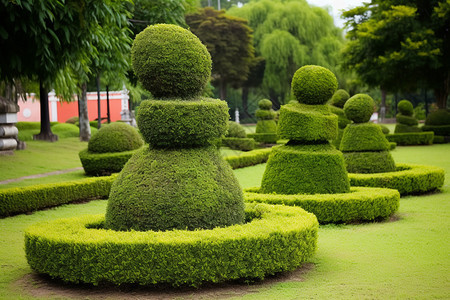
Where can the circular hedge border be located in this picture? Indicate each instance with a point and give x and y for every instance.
(360, 204)
(275, 239)
(408, 179)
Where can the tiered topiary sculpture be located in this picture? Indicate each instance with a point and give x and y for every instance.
(337, 102)
(439, 123)
(308, 163)
(110, 148)
(236, 138)
(405, 118)
(266, 127)
(365, 147)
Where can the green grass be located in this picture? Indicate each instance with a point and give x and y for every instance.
(406, 258)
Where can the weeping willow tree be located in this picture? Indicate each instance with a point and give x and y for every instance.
(290, 34)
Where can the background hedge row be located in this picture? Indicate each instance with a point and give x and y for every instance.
(250, 158)
(413, 138)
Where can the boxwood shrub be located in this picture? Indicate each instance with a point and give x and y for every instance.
(339, 98)
(413, 138)
(65, 130)
(243, 144)
(360, 204)
(103, 164)
(27, 199)
(235, 130)
(369, 162)
(264, 138)
(363, 137)
(406, 120)
(359, 108)
(115, 137)
(443, 130)
(402, 128)
(408, 179)
(274, 239)
(248, 159)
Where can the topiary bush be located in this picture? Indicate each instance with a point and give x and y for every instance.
(405, 108)
(170, 61)
(438, 122)
(411, 138)
(405, 120)
(313, 84)
(363, 137)
(266, 127)
(339, 98)
(369, 162)
(243, 144)
(359, 108)
(116, 137)
(235, 130)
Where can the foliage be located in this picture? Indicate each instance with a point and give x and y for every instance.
(405, 108)
(236, 143)
(104, 164)
(313, 85)
(408, 179)
(250, 158)
(339, 98)
(359, 108)
(177, 123)
(411, 138)
(360, 204)
(66, 130)
(116, 137)
(384, 128)
(438, 118)
(275, 239)
(266, 127)
(441, 130)
(235, 130)
(290, 34)
(305, 169)
(28, 199)
(163, 189)
(407, 121)
(342, 118)
(400, 45)
(229, 41)
(369, 162)
(303, 122)
(170, 61)
(363, 137)
(264, 138)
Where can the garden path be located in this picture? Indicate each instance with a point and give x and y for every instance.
(41, 175)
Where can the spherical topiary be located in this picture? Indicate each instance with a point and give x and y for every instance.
(438, 118)
(235, 130)
(339, 98)
(265, 104)
(313, 84)
(116, 137)
(170, 61)
(405, 108)
(359, 108)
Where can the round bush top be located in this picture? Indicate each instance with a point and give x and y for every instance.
(115, 137)
(359, 108)
(313, 84)
(170, 61)
(405, 108)
(339, 98)
(265, 104)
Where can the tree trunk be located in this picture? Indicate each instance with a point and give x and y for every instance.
(46, 133)
(108, 111)
(85, 129)
(442, 92)
(223, 89)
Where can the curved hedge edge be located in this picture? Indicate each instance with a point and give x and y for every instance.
(408, 179)
(101, 164)
(412, 138)
(248, 159)
(360, 204)
(278, 238)
(27, 199)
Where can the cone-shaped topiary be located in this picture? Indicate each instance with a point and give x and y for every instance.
(170, 61)
(359, 108)
(266, 127)
(405, 120)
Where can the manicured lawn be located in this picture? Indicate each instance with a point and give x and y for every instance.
(405, 258)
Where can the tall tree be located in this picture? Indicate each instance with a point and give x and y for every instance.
(401, 45)
(229, 41)
(289, 34)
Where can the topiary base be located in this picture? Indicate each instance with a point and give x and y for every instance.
(103, 164)
(408, 179)
(369, 162)
(360, 204)
(305, 169)
(79, 250)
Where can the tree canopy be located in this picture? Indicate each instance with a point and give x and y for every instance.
(401, 45)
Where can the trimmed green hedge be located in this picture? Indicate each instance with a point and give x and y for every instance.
(413, 138)
(408, 179)
(102, 164)
(303, 122)
(339, 98)
(402, 128)
(116, 137)
(182, 123)
(369, 162)
(264, 138)
(438, 118)
(405, 108)
(406, 120)
(262, 114)
(443, 130)
(275, 239)
(343, 121)
(248, 159)
(235, 130)
(360, 204)
(65, 130)
(243, 144)
(27, 199)
(305, 169)
(363, 137)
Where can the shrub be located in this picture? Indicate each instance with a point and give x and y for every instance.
(413, 138)
(406, 120)
(65, 130)
(178, 123)
(266, 127)
(104, 164)
(360, 204)
(235, 130)
(405, 108)
(73, 120)
(339, 98)
(313, 84)
(305, 169)
(392, 145)
(163, 189)
(302, 122)
(28, 125)
(265, 104)
(437, 118)
(243, 144)
(27, 134)
(264, 138)
(369, 162)
(359, 108)
(343, 121)
(408, 179)
(248, 159)
(402, 128)
(439, 139)
(275, 239)
(28, 199)
(384, 128)
(265, 114)
(443, 130)
(363, 137)
(170, 61)
(116, 137)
